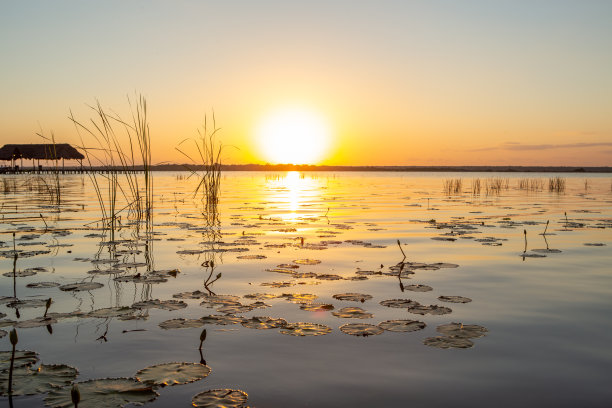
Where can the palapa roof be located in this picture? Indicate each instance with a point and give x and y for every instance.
(45, 151)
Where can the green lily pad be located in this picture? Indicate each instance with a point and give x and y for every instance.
(23, 358)
(431, 309)
(198, 294)
(454, 299)
(353, 297)
(352, 313)
(361, 329)
(220, 398)
(46, 378)
(299, 297)
(220, 300)
(264, 322)
(172, 373)
(81, 286)
(27, 303)
(260, 296)
(399, 303)
(20, 274)
(448, 342)
(181, 323)
(402, 326)
(464, 331)
(235, 309)
(104, 393)
(305, 329)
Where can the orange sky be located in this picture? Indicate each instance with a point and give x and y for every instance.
(397, 83)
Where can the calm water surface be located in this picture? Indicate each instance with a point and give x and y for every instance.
(547, 316)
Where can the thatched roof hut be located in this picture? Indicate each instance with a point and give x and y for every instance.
(47, 151)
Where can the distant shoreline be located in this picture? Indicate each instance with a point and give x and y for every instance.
(467, 169)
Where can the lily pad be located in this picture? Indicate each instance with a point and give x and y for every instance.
(81, 286)
(264, 322)
(464, 331)
(448, 342)
(431, 309)
(172, 373)
(36, 285)
(352, 313)
(223, 320)
(299, 297)
(402, 325)
(353, 297)
(19, 274)
(104, 393)
(418, 288)
(220, 398)
(317, 307)
(198, 294)
(36, 322)
(111, 312)
(307, 261)
(181, 323)
(305, 329)
(160, 304)
(260, 296)
(399, 303)
(454, 299)
(251, 257)
(27, 303)
(361, 329)
(45, 378)
(22, 358)
(235, 309)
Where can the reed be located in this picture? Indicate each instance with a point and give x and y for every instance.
(117, 155)
(452, 186)
(476, 186)
(556, 184)
(531, 184)
(209, 161)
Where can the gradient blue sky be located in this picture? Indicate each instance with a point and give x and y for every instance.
(400, 82)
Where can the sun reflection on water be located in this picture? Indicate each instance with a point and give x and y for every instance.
(296, 195)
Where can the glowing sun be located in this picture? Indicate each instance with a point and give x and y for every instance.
(295, 136)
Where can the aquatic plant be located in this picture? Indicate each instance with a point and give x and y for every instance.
(556, 184)
(476, 186)
(452, 186)
(209, 160)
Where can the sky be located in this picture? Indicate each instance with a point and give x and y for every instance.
(474, 82)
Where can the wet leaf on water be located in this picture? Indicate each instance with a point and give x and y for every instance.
(264, 322)
(448, 342)
(36, 322)
(317, 307)
(46, 378)
(223, 320)
(305, 329)
(36, 285)
(445, 265)
(251, 257)
(190, 252)
(225, 398)
(220, 300)
(111, 312)
(328, 276)
(547, 251)
(464, 331)
(287, 266)
(19, 274)
(307, 261)
(23, 358)
(454, 299)
(402, 325)
(172, 373)
(198, 294)
(278, 284)
(166, 273)
(81, 286)
(299, 297)
(532, 255)
(260, 296)
(352, 313)
(596, 244)
(399, 303)
(235, 309)
(181, 323)
(103, 393)
(418, 288)
(160, 304)
(431, 309)
(361, 329)
(27, 303)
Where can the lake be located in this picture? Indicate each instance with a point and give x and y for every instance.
(498, 293)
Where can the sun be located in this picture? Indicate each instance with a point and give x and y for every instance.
(293, 135)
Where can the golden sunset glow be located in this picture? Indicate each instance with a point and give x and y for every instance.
(293, 135)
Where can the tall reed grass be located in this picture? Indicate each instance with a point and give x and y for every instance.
(556, 184)
(452, 186)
